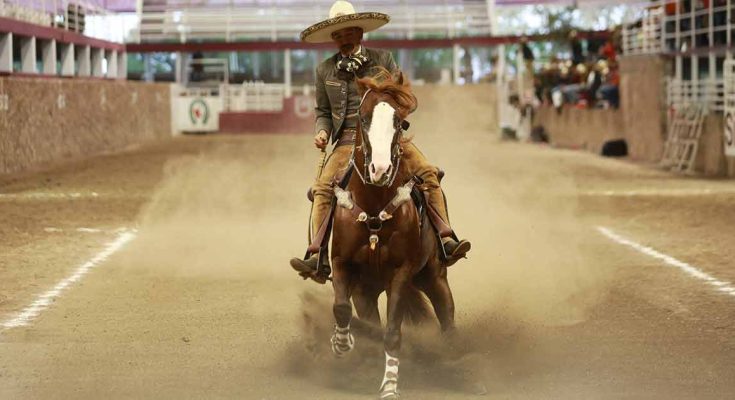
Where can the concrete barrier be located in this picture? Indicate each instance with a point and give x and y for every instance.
(47, 120)
(711, 159)
(297, 116)
(643, 106)
(580, 129)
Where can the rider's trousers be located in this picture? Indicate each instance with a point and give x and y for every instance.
(338, 161)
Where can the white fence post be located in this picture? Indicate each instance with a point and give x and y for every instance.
(49, 56)
(287, 72)
(28, 55)
(6, 52)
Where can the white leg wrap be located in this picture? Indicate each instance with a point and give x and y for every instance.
(389, 387)
(342, 341)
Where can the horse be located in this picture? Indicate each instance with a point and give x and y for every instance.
(381, 243)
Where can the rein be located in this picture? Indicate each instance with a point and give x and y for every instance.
(395, 148)
(344, 198)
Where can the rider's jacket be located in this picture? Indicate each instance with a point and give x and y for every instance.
(337, 99)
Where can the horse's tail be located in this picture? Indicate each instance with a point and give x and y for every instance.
(417, 307)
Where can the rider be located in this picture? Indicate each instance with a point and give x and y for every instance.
(338, 101)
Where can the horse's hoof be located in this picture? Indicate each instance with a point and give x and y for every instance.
(342, 345)
(389, 391)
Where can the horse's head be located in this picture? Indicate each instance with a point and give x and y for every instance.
(386, 102)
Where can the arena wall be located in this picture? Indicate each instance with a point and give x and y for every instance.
(580, 129)
(297, 116)
(48, 120)
(643, 106)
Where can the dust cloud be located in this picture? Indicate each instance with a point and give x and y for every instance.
(224, 213)
(238, 210)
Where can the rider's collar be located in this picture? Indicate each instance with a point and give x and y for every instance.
(359, 51)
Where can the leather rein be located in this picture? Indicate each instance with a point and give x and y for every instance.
(396, 151)
(344, 198)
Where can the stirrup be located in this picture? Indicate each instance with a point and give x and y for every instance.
(319, 272)
(463, 246)
(457, 249)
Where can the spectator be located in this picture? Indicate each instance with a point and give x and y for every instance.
(526, 51)
(594, 82)
(197, 69)
(608, 51)
(576, 48)
(610, 91)
(529, 80)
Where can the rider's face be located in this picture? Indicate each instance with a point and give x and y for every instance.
(347, 39)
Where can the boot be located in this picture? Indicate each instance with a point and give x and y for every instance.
(453, 248)
(456, 249)
(308, 268)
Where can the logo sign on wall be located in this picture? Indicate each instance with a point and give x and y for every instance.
(304, 106)
(198, 112)
(730, 133)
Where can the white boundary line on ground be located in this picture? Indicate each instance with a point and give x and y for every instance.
(47, 195)
(44, 300)
(722, 286)
(660, 192)
(83, 230)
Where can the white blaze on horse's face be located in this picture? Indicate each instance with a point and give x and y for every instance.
(381, 138)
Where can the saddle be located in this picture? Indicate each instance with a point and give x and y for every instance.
(320, 243)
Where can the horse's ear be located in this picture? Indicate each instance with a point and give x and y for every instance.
(399, 77)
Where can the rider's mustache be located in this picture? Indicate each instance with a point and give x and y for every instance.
(347, 48)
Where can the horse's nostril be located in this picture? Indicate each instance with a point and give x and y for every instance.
(390, 168)
(372, 168)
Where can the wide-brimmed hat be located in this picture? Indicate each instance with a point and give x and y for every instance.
(342, 15)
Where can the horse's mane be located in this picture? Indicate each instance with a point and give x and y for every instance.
(384, 82)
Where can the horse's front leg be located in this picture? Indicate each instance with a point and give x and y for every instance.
(342, 340)
(392, 338)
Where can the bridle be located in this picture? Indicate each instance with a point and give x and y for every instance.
(396, 152)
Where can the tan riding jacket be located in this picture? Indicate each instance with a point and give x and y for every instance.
(332, 92)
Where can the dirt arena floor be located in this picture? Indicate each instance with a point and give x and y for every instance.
(588, 279)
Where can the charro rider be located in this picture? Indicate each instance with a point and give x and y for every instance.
(338, 101)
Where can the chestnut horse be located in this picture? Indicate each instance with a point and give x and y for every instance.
(381, 242)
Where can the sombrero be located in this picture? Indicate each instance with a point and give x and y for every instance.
(342, 15)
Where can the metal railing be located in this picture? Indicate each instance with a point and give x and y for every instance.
(646, 38)
(81, 16)
(697, 27)
(254, 96)
(670, 27)
(710, 93)
(206, 73)
(22, 12)
(185, 22)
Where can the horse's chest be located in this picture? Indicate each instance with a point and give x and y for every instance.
(391, 251)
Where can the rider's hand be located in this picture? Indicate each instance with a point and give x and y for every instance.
(320, 140)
